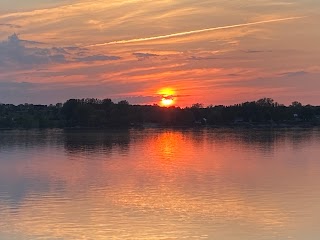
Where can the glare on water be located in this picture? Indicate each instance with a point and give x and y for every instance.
(160, 184)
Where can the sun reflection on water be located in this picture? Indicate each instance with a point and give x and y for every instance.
(170, 184)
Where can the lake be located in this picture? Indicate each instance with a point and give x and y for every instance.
(224, 184)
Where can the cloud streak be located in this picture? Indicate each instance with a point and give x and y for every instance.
(180, 34)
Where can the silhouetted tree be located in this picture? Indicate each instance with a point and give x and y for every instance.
(92, 112)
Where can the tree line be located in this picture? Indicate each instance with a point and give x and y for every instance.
(96, 113)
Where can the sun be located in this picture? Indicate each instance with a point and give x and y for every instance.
(168, 97)
(167, 102)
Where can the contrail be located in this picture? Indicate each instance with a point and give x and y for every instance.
(135, 40)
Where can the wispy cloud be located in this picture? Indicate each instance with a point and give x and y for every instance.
(179, 34)
(143, 56)
(16, 53)
(95, 58)
(294, 74)
(9, 25)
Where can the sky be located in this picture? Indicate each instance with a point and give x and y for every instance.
(209, 51)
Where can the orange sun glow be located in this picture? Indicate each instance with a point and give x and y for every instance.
(168, 97)
(166, 102)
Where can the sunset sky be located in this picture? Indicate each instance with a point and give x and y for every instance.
(208, 51)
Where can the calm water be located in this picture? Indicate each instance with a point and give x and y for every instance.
(160, 184)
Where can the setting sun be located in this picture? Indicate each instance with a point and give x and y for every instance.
(167, 102)
(168, 97)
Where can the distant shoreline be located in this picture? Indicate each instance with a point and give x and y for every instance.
(227, 126)
(105, 114)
